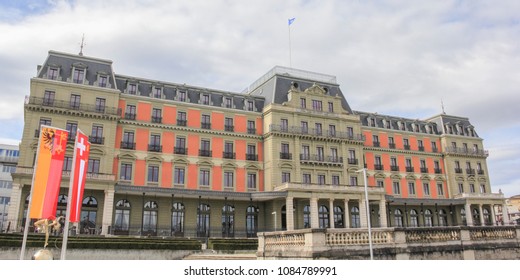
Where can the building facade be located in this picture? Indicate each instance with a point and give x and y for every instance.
(177, 160)
(8, 160)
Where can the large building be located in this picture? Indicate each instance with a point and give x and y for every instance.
(172, 159)
(8, 160)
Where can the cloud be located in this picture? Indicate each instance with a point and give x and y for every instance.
(391, 57)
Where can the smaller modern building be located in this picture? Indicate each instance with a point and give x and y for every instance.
(8, 161)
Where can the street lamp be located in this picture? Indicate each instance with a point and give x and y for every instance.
(364, 170)
(274, 213)
(3, 215)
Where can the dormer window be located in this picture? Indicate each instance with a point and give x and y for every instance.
(52, 73)
(204, 99)
(182, 96)
(78, 76)
(372, 122)
(132, 89)
(228, 102)
(250, 105)
(157, 92)
(402, 125)
(102, 80)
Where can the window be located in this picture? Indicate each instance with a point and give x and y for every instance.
(178, 176)
(284, 125)
(250, 106)
(375, 140)
(132, 89)
(204, 99)
(100, 105)
(443, 218)
(93, 166)
(334, 155)
(153, 173)
(72, 128)
(353, 181)
(182, 96)
(332, 130)
(228, 124)
(205, 122)
(320, 154)
(78, 76)
(284, 151)
(52, 73)
(319, 130)
(228, 150)
(228, 221)
(251, 221)
(350, 132)
(122, 216)
(305, 127)
(391, 143)
(317, 105)
(126, 172)
(306, 216)
(414, 218)
(482, 188)
(331, 107)
(286, 177)
(398, 218)
(420, 145)
(411, 188)
(205, 148)
(355, 217)
(472, 188)
(181, 119)
(204, 177)
(440, 189)
(393, 164)
(75, 101)
(156, 115)
(424, 169)
(323, 216)
(228, 103)
(406, 144)
(396, 188)
(251, 127)
(48, 98)
(335, 180)
(378, 163)
(157, 92)
(426, 189)
(251, 152)
(428, 218)
(228, 179)
(321, 179)
(306, 179)
(102, 81)
(409, 167)
(303, 103)
(130, 112)
(128, 140)
(178, 219)
(97, 134)
(461, 188)
(67, 164)
(150, 217)
(180, 146)
(251, 181)
(203, 218)
(155, 143)
(352, 157)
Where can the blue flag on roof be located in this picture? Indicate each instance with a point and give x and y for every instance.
(291, 20)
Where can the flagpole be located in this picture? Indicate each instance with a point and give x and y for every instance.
(69, 200)
(290, 55)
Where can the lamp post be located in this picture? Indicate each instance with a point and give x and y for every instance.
(364, 170)
(3, 215)
(274, 213)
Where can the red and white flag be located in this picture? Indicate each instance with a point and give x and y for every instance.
(78, 176)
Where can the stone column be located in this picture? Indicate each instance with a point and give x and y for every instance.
(108, 211)
(469, 218)
(289, 205)
(382, 212)
(14, 207)
(492, 218)
(363, 213)
(481, 214)
(314, 213)
(505, 214)
(346, 219)
(331, 213)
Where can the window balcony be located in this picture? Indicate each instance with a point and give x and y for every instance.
(252, 157)
(181, 122)
(285, 155)
(394, 167)
(154, 148)
(424, 169)
(36, 133)
(377, 144)
(96, 140)
(407, 147)
(480, 172)
(128, 145)
(391, 145)
(63, 104)
(129, 116)
(228, 155)
(378, 167)
(421, 148)
(229, 128)
(438, 171)
(180, 150)
(435, 150)
(205, 125)
(352, 161)
(251, 130)
(409, 169)
(156, 119)
(470, 171)
(205, 153)
(458, 170)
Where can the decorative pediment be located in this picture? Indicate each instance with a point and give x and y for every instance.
(79, 65)
(395, 177)
(425, 178)
(410, 177)
(127, 156)
(380, 175)
(286, 165)
(96, 151)
(154, 158)
(205, 162)
(180, 160)
(252, 166)
(229, 165)
(315, 90)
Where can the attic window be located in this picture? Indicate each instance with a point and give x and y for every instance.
(250, 105)
(131, 88)
(78, 75)
(52, 73)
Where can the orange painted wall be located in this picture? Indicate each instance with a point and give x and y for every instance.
(139, 172)
(166, 174)
(383, 139)
(169, 115)
(413, 143)
(369, 157)
(260, 151)
(388, 185)
(385, 159)
(168, 141)
(141, 139)
(193, 176)
(259, 126)
(401, 162)
(144, 111)
(433, 189)
(398, 139)
(193, 145)
(217, 146)
(240, 123)
(368, 138)
(193, 118)
(217, 121)
(122, 106)
(404, 187)
(217, 178)
(119, 136)
(240, 149)
(115, 168)
(371, 180)
(418, 188)
(429, 164)
(241, 179)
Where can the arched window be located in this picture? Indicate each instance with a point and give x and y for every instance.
(251, 221)
(150, 218)
(414, 218)
(88, 215)
(355, 218)
(323, 216)
(228, 221)
(428, 218)
(203, 215)
(443, 218)
(463, 217)
(398, 218)
(338, 217)
(487, 216)
(178, 219)
(476, 217)
(306, 216)
(122, 217)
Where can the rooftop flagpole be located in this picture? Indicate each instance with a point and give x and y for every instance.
(290, 21)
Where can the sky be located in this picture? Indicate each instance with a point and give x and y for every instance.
(396, 57)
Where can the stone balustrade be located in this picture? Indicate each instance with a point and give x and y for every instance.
(357, 237)
(492, 233)
(432, 235)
